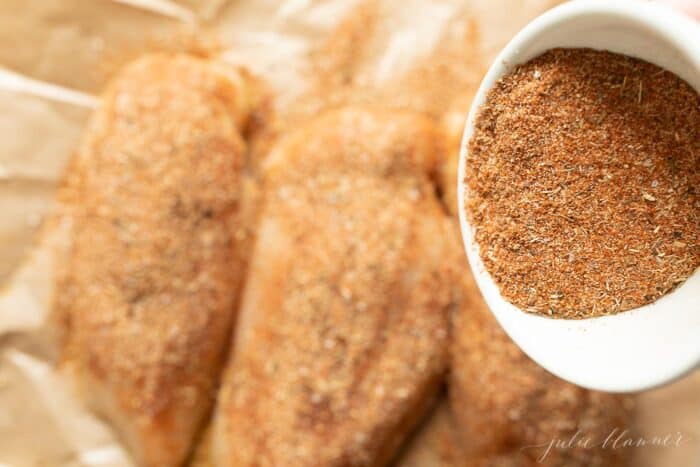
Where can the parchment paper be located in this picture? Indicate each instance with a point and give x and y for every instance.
(55, 56)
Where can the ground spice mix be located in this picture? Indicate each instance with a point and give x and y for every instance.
(582, 183)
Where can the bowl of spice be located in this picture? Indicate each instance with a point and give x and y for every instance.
(579, 191)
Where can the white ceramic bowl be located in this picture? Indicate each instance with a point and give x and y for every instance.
(636, 349)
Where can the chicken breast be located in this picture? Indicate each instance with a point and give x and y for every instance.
(341, 342)
(150, 284)
(510, 412)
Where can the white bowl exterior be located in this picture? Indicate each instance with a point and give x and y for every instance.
(640, 348)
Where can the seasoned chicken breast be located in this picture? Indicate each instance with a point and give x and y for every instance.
(507, 409)
(149, 287)
(510, 412)
(343, 327)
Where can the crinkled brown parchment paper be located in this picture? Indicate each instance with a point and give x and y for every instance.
(55, 56)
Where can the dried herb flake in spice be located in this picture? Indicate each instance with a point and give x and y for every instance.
(583, 179)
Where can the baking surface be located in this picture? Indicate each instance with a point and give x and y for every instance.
(55, 57)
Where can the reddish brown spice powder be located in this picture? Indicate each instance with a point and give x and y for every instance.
(582, 183)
